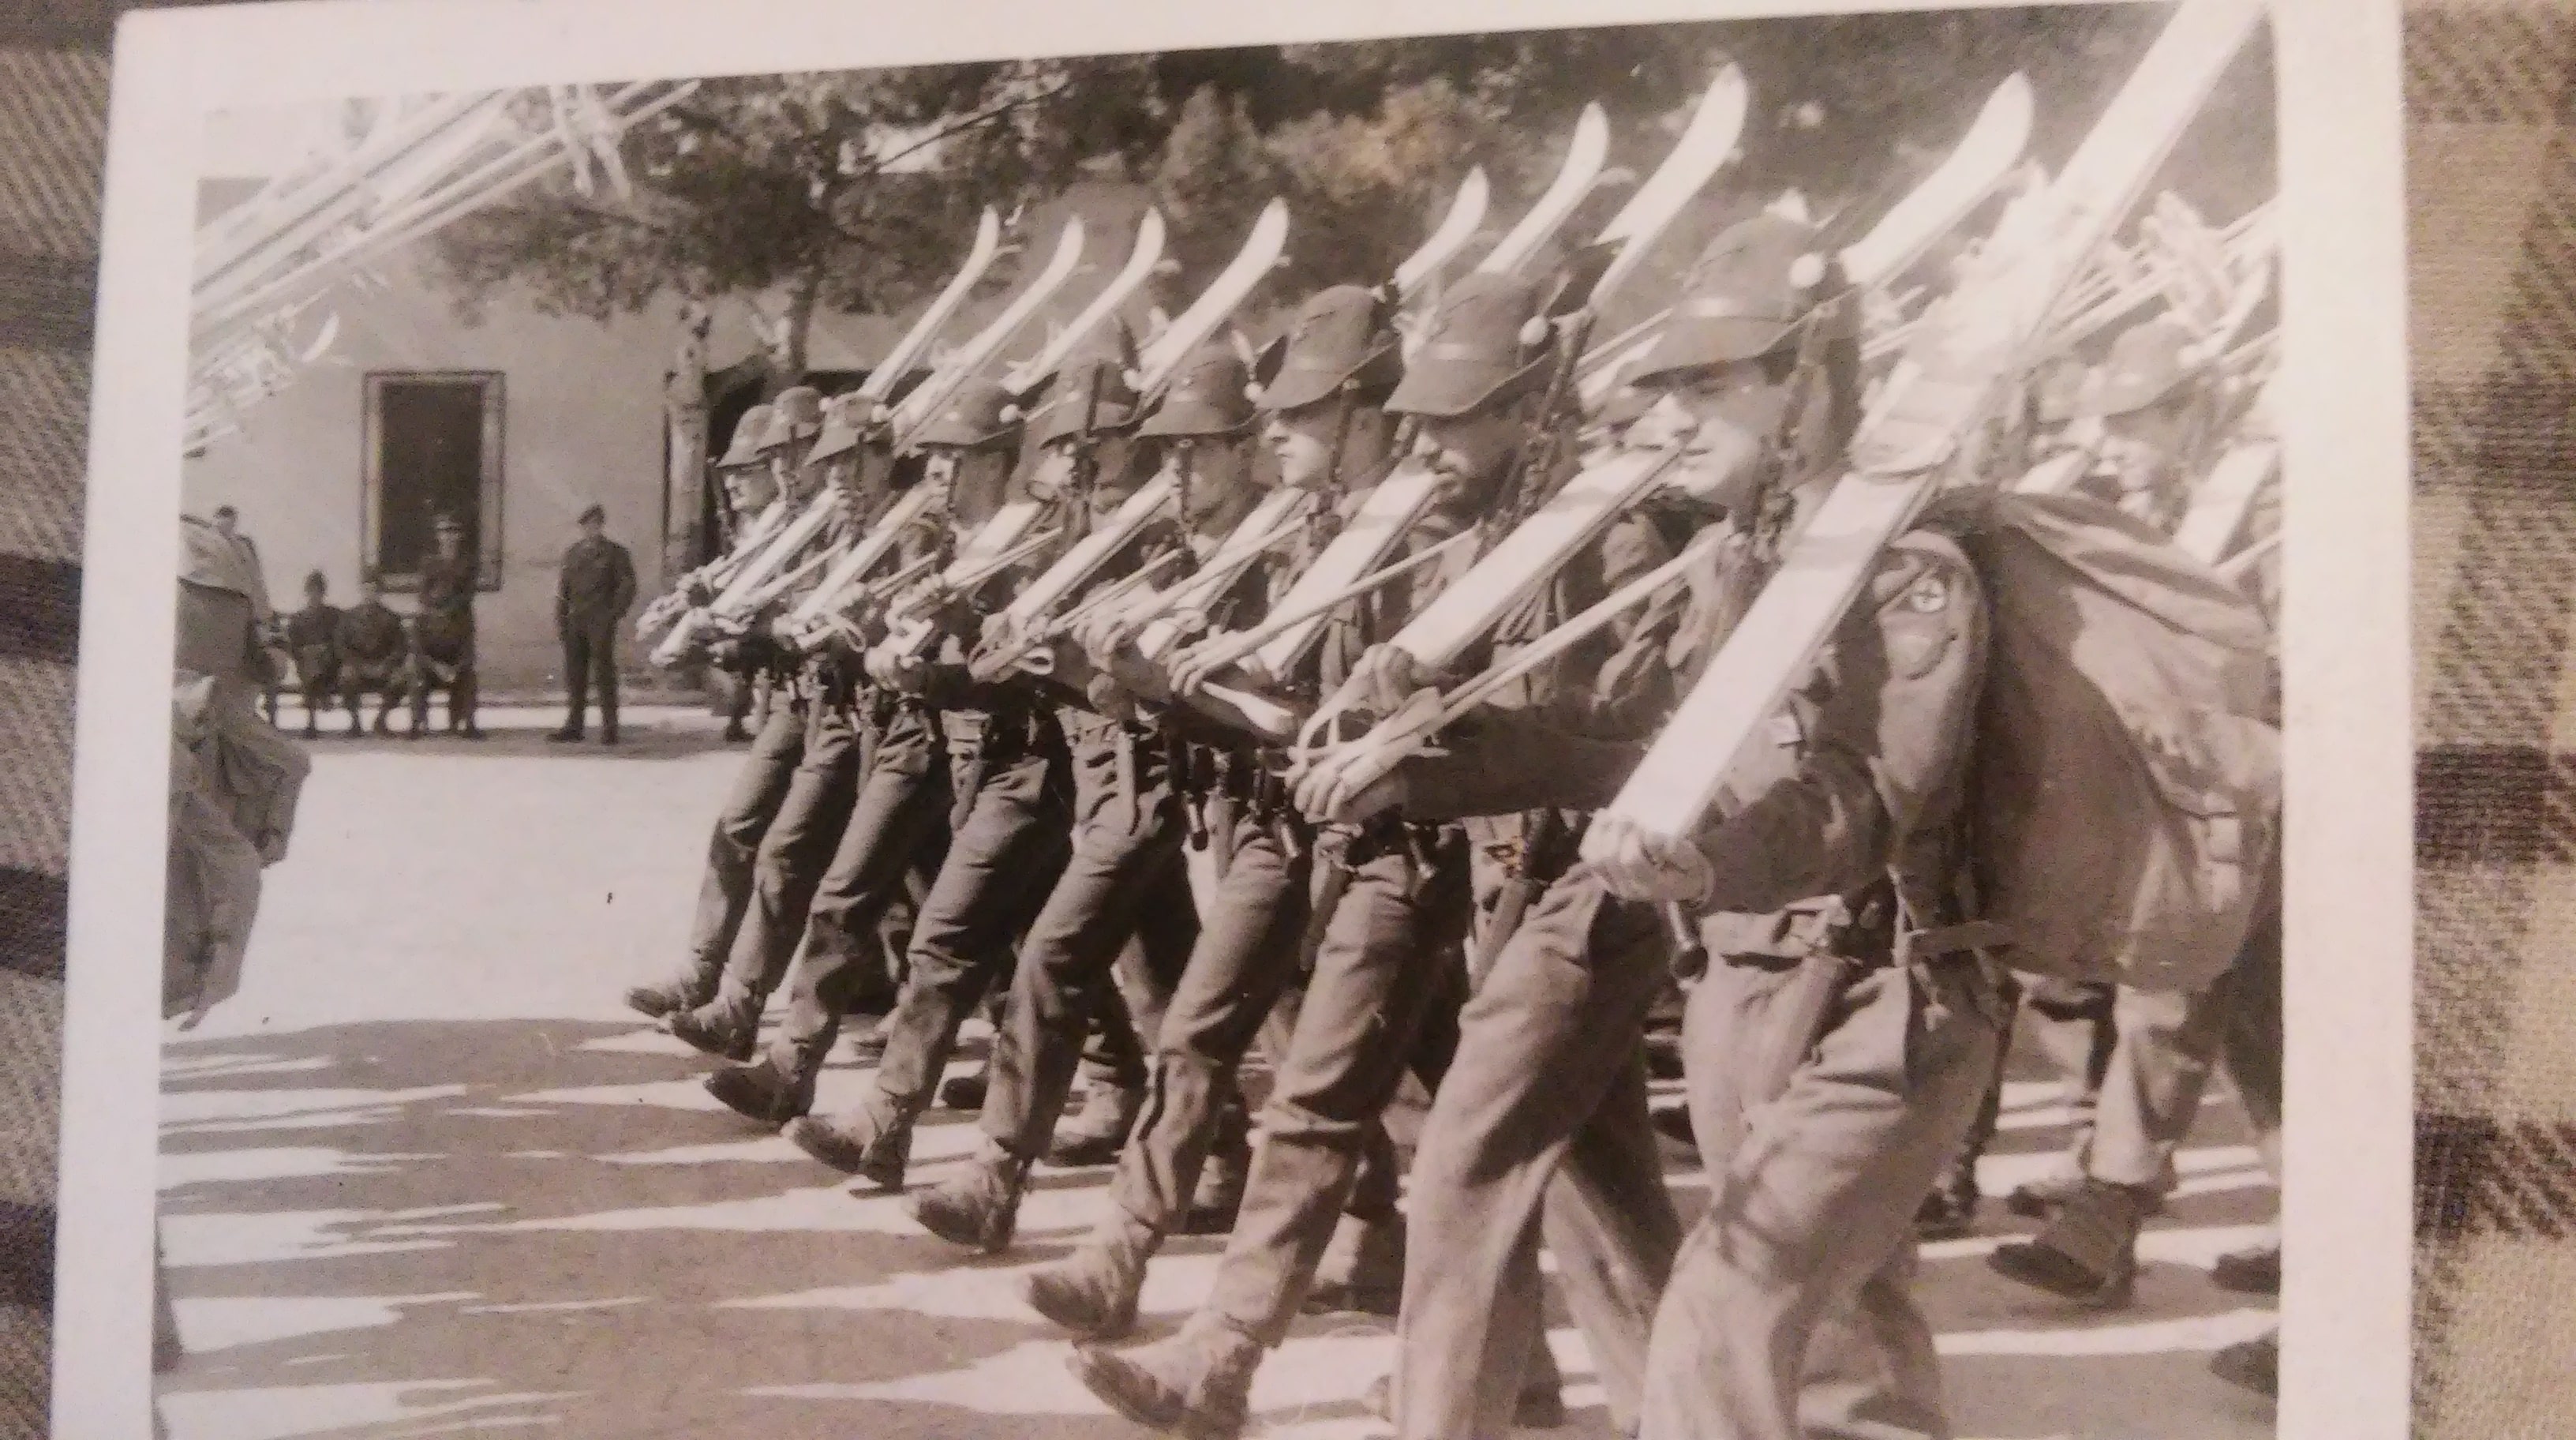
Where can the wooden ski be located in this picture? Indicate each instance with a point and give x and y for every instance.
(1574, 179)
(1948, 384)
(1223, 296)
(925, 329)
(1141, 260)
(1466, 212)
(924, 402)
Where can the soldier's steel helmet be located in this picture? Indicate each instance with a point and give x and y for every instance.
(797, 414)
(1207, 395)
(1743, 297)
(973, 418)
(845, 418)
(748, 433)
(1059, 408)
(2145, 365)
(1478, 350)
(1342, 335)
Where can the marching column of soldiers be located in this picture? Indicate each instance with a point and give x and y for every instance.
(1080, 716)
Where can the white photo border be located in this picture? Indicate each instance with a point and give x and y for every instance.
(2346, 1358)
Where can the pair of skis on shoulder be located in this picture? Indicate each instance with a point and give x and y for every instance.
(1576, 515)
(1948, 387)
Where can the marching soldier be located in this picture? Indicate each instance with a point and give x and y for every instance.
(1842, 1039)
(889, 844)
(1124, 897)
(372, 645)
(1010, 819)
(797, 837)
(1383, 971)
(767, 436)
(1543, 1121)
(442, 634)
(2142, 411)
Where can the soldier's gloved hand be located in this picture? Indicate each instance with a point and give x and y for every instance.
(1352, 786)
(1636, 866)
(1383, 679)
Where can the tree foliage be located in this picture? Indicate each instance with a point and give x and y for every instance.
(856, 189)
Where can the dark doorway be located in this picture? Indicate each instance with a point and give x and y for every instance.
(433, 447)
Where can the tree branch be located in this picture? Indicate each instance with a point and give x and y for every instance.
(879, 164)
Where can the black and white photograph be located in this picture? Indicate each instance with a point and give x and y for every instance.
(1574, 729)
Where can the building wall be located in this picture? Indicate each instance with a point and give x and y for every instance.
(582, 422)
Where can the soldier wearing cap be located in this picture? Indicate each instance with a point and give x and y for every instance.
(443, 633)
(1839, 1041)
(1549, 1070)
(863, 817)
(796, 846)
(766, 436)
(313, 637)
(1010, 813)
(373, 644)
(1119, 923)
(593, 592)
(2144, 408)
(1393, 911)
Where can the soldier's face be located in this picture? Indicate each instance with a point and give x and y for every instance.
(1220, 477)
(448, 540)
(1303, 440)
(2139, 450)
(1470, 452)
(224, 523)
(1051, 476)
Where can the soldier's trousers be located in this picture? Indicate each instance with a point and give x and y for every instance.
(758, 790)
(1011, 834)
(2160, 1065)
(1790, 1313)
(789, 863)
(1124, 892)
(864, 906)
(1388, 961)
(1540, 1124)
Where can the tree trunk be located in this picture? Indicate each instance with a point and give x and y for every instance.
(796, 326)
(685, 399)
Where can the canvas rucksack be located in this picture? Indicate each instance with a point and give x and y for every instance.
(2126, 783)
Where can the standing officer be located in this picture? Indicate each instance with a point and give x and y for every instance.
(443, 634)
(786, 424)
(592, 595)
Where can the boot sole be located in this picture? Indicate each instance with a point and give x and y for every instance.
(1117, 1328)
(982, 1242)
(1185, 1422)
(2044, 1269)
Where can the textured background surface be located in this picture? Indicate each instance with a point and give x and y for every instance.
(2491, 98)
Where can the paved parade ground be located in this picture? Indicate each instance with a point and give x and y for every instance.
(425, 1176)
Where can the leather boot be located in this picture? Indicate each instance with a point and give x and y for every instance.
(2254, 1364)
(1219, 1193)
(965, 1092)
(1950, 1211)
(1362, 1269)
(727, 1027)
(2040, 1198)
(653, 1002)
(1197, 1384)
(1092, 1292)
(2088, 1251)
(767, 1090)
(977, 1206)
(873, 1140)
(1098, 1131)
